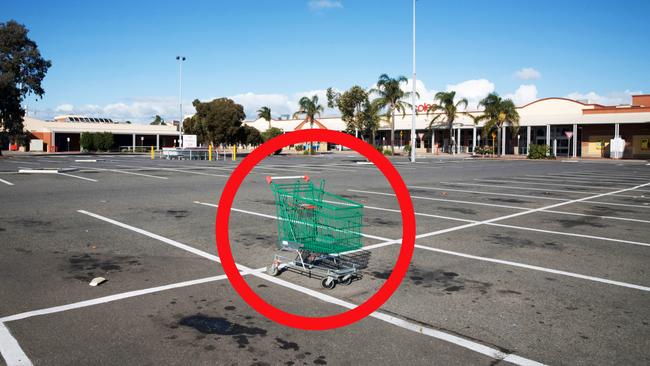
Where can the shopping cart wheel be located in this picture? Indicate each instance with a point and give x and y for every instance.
(347, 281)
(328, 283)
(273, 270)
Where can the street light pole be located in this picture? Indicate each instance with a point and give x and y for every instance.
(180, 96)
(413, 107)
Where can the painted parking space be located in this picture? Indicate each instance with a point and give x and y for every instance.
(478, 267)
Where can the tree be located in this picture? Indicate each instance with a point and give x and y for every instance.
(265, 113)
(351, 104)
(310, 108)
(251, 136)
(158, 121)
(218, 121)
(192, 126)
(447, 109)
(271, 133)
(104, 141)
(390, 96)
(87, 141)
(22, 69)
(370, 119)
(497, 112)
(96, 141)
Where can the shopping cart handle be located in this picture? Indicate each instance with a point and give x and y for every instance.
(270, 179)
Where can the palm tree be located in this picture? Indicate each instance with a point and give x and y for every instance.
(390, 95)
(265, 113)
(370, 119)
(447, 108)
(310, 108)
(497, 112)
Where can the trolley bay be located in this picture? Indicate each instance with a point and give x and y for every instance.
(516, 262)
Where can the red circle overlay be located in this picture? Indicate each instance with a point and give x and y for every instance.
(352, 315)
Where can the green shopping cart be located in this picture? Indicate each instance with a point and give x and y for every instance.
(318, 227)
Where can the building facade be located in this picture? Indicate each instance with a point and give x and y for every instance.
(544, 121)
(63, 134)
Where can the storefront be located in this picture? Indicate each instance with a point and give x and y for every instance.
(569, 127)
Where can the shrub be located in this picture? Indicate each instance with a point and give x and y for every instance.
(271, 133)
(96, 141)
(539, 152)
(87, 141)
(104, 141)
(484, 150)
(380, 149)
(387, 152)
(407, 149)
(299, 148)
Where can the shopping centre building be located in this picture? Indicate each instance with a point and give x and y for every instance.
(545, 121)
(64, 132)
(570, 127)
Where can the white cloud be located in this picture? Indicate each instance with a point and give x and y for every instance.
(426, 95)
(279, 103)
(135, 109)
(64, 108)
(316, 5)
(528, 73)
(613, 98)
(525, 94)
(474, 90)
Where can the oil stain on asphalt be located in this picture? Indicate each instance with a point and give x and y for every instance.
(221, 326)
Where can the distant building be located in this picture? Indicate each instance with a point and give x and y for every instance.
(74, 118)
(544, 121)
(126, 136)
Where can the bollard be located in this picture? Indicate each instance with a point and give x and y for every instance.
(210, 152)
(234, 153)
(153, 154)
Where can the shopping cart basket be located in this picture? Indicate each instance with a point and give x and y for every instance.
(318, 227)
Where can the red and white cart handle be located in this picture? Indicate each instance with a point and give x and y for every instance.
(270, 179)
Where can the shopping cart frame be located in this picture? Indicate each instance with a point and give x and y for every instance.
(330, 268)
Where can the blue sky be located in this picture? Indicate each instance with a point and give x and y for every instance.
(117, 58)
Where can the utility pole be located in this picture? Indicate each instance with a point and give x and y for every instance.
(180, 60)
(413, 107)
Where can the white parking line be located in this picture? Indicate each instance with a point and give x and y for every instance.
(536, 178)
(78, 177)
(111, 298)
(274, 218)
(524, 228)
(121, 171)
(586, 200)
(10, 349)
(535, 189)
(501, 181)
(405, 324)
(465, 343)
(171, 242)
(598, 216)
(6, 182)
(594, 179)
(604, 176)
(441, 200)
(491, 193)
(564, 233)
(176, 170)
(21, 162)
(537, 268)
(472, 223)
(528, 211)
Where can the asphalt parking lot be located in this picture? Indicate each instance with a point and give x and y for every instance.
(516, 262)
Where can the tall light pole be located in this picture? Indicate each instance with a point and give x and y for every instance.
(413, 107)
(180, 60)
